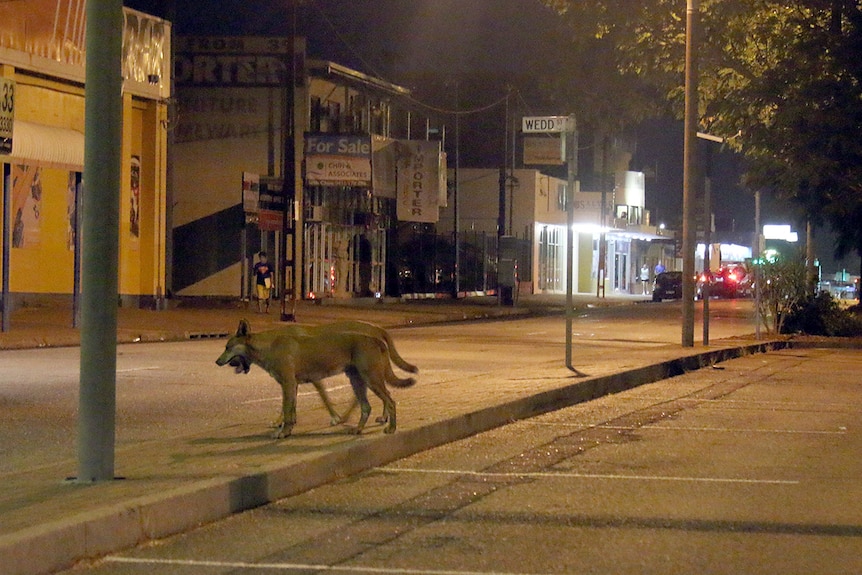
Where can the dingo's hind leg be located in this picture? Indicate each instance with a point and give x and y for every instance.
(360, 390)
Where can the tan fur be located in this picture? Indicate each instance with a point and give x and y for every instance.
(354, 326)
(293, 359)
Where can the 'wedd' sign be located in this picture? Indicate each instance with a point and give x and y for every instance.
(545, 124)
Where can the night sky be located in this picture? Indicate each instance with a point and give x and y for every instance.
(507, 41)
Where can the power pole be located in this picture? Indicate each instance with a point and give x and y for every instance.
(291, 226)
(690, 147)
(103, 144)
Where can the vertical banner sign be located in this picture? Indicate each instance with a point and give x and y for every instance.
(383, 167)
(7, 109)
(250, 192)
(418, 181)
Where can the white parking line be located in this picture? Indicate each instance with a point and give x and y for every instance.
(131, 369)
(552, 475)
(840, 431)
(722, 429)
(299, 394)
(297, 567)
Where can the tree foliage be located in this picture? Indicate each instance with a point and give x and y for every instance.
(781, 80)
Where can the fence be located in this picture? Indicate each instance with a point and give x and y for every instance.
(424, 262)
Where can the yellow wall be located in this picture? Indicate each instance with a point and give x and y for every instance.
(45, 265)
(49, 103)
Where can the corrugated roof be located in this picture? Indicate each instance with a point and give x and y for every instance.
(47, 145)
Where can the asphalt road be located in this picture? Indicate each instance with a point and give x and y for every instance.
(175, 389)
(752, 467)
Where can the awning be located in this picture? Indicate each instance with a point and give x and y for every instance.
(46, 146)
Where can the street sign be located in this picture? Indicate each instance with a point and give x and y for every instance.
(545, 124)
(7, 108)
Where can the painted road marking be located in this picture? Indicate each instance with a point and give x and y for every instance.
(297, 567)
(840, 431)
(721, 429)
(131, 369)
(561, 475)
(299, 394)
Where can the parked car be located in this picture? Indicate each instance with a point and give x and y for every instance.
(728, 281)
(667, 285)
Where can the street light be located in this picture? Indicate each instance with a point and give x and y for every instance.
(707, 231)
(689, 147)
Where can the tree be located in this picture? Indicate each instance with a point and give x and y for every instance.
(783, 290)
(782, 80)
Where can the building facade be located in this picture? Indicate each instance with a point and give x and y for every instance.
(42, 65)
(608, 251)
(254, 111)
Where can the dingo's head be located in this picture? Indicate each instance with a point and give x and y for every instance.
(235, 351)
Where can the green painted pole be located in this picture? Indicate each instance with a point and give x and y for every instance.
(103, 112)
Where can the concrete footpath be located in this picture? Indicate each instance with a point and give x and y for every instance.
(172, 485)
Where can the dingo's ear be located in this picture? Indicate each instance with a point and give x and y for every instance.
(243, 329)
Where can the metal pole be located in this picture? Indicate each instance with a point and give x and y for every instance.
(603, 238)
(7, 237)
(707, 226)
(103, 144)
(758, 269)
(810, 257)
(707, 264)
(688, 172)
(288, 187)
(501, 228)
(456, 193)
(572, 157)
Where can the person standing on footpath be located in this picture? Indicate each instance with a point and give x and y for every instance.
(263, 282)
(644, 277)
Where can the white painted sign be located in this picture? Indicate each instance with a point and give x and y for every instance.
(419, 181)
(544, 151)
(544, 124)
(7, 114)
(250, 192)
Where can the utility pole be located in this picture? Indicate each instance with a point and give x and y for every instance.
(103, 144)
(455, 198)
(690, 147)
(291, 226)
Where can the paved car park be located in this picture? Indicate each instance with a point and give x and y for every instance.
(748, 467)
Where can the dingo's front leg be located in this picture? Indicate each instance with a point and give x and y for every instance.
(334, 418)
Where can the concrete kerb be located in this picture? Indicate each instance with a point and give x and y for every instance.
(59, 545)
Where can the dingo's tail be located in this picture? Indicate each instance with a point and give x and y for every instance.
(399, 382)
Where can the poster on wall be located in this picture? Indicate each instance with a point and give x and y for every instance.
(135, 199)
(71, 210)
(26, 205)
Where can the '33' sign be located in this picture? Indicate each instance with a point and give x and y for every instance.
(7, 110)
